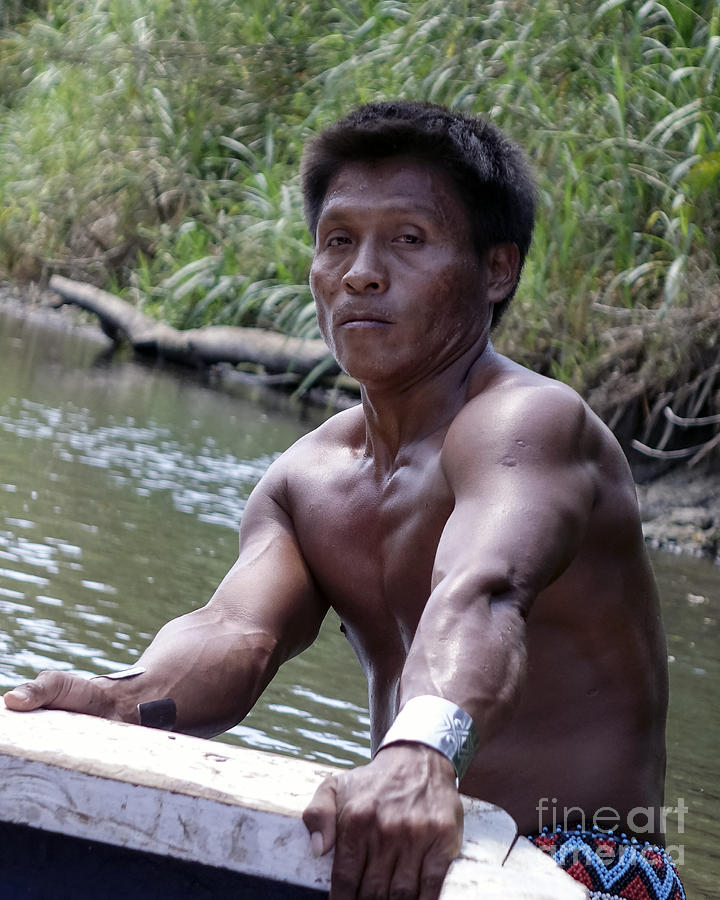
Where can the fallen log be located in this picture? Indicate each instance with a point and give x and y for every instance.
(274, 352)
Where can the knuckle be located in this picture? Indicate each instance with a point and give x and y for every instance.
(420, 827)
(445, 824)
(44, 685)
(50, 677)
(425, 832)
(60, 688)
(386, 823)
(310, 815)
(321, 797)
(358, 815)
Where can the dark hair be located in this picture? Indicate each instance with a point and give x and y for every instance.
(491, 172)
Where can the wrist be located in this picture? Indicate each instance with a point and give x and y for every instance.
(121, 694)
(124, 703)
(438, 724)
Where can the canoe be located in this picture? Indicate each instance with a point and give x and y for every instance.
(95, 809)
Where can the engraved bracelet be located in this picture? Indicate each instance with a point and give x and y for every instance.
(437, 723)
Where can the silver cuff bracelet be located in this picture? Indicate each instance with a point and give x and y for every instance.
(437, 723)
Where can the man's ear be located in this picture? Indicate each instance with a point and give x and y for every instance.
(502, 263)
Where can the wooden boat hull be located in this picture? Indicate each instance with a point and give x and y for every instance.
(93, 809)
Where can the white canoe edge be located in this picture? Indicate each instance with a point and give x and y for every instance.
(220, 805)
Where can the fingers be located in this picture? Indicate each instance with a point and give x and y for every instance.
(417, 874)
(433, 874)
(396, 825)
(350, 880)
(378, 857)
(58, 690)
(388, 876)
(368, 867)
(320, 817)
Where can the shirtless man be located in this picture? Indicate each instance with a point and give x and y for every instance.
(473, 524)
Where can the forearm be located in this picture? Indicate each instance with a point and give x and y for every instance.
(216, 661)
(469, 648)
(213, 670)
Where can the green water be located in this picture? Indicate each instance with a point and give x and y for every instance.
(690, 591)
(121, 488)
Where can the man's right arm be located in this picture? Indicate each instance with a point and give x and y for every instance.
(216, 661)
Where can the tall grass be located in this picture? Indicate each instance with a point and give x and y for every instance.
(153, 147)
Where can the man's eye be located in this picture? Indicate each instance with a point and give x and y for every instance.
(337, 240)
(408, 239)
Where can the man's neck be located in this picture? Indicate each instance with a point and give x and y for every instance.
(399, 417)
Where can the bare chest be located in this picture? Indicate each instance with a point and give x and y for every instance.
(370, 543)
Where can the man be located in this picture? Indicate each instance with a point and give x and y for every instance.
(474, 525)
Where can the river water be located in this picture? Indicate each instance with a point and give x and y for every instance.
(121, 488)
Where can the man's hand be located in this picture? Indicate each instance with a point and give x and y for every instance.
(396, 825)
(59, 690)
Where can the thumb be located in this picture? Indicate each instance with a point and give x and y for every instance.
(320, 817)
(57, 690)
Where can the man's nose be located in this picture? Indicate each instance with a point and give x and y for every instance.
(366, 274)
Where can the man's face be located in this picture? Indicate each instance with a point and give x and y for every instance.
(398, 287)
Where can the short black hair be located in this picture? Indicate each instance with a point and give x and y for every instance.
(493, 177)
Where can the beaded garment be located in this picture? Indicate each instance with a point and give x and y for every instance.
(613, 867)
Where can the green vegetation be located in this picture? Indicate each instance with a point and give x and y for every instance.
(152, 147)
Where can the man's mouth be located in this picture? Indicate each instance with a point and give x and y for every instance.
(355, 318)
(364, 323)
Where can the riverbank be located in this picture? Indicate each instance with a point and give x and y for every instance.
(680, 510)
(681, 513)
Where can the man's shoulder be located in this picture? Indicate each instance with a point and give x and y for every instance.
(505, 377)
(340, 433)
(525, 429)
(513, 396)
(314, 453)
(515, 406)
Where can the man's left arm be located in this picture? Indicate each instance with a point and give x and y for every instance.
(523, 496)
(521, 510)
